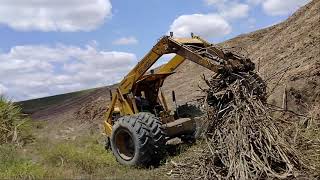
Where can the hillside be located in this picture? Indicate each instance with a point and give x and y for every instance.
(36, 105)
(286, 54)
(63, 106)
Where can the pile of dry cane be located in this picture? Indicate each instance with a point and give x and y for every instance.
(243, 140)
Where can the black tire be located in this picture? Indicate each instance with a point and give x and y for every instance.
(156, 132)
(130, 141)
(196, 134)
(107, 144)
(188, 110)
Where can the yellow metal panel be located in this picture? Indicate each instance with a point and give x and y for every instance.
(111, 108)
(125, 106)
(188, 40)
(126, 84)
(107, 129)
(206, 43)
(164, 101)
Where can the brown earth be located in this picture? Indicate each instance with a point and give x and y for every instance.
(286, 55)
(71, 106)
(288, 52)
(92, 111)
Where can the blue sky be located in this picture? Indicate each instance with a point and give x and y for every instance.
(51, 47)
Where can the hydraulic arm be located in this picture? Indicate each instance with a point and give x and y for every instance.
(194, 49)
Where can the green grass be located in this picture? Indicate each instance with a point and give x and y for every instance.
(85, 158)
(14, 166)
(44, 157)
(33, 105)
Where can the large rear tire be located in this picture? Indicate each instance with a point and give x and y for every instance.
(157, 134)
(193, 136)
(131, 141)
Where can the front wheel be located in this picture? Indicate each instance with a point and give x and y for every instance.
(130, 141)
(157, 134)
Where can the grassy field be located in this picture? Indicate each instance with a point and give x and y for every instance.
(80, 158)
(25, 153)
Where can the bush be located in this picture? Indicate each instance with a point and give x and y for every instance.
(13, 126)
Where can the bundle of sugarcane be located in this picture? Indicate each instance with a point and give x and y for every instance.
(243, 140)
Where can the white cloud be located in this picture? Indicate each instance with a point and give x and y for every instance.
(34, 71)
(254, 2)
(125, 41)
(54, 15)
(211, 25)
(230, 9)
(3, 89)
(235, 11)
(277, 7)
(215, 2)
(206, 25)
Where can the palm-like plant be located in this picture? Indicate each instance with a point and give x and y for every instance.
(10, 121)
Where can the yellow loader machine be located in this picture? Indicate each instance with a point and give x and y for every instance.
(138, 122)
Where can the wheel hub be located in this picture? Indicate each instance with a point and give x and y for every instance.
(125, 144)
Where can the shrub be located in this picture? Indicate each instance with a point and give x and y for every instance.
(13, 126)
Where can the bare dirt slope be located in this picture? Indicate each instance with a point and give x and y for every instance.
(69, 106)
(286, 54)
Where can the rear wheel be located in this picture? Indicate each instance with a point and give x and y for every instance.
(192, 136)
(130, 141)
